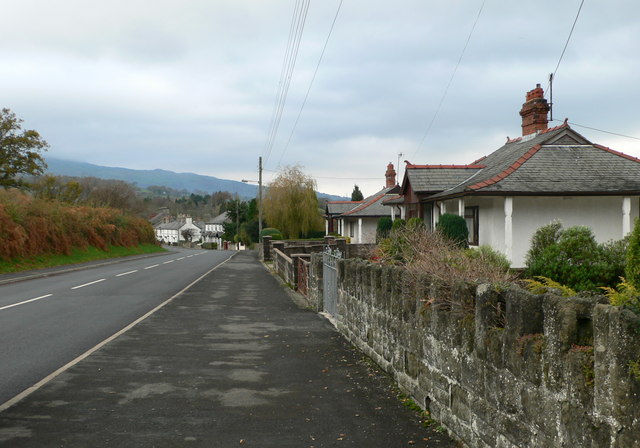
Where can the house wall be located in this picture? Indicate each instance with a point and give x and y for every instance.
(603, 214)
(196, 231)
(369, 227)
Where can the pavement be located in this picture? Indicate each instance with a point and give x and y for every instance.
(230, 362)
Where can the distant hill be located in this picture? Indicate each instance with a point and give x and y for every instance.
(143, 178)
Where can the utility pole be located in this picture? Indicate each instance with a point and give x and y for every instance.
(260, 198)
(237, 221)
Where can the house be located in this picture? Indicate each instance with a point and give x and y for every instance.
(359, 219)
(172, 232)
(214, 229)
(547, 174)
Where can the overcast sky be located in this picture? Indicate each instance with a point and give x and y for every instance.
(189, 86)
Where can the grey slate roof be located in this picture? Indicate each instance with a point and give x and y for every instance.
(372, 206)
(220, 219)
(173, 225)
(435, 178)
(339, 207)
(556, 161)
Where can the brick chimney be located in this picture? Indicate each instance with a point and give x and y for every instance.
(390, 175)
(534, 112)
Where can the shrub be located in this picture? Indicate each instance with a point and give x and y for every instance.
(415, 223)
(273, 233)
(385, 224)
(425, 252)
(572, 257)
(544, 237)
(210, 246)
(31, 227)
(455, 228)
(486, 254)
(632, 268)
(626, 295)
(398, 223)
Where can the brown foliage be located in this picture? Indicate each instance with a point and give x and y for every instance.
(431, 257)
(31, 227)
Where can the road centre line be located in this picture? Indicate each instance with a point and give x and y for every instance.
(127, 273)
(189, 256)
(170, 261)
(45, 380)
(152, 266)
(181, 258)
(25, 301)
(90, 283)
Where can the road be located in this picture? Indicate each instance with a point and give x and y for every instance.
(47, 322)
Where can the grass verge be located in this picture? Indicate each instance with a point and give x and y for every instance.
(77, 256)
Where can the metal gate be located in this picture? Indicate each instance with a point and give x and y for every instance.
(330, 280)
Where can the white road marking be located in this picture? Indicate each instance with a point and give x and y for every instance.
(127, 273)
(189, 256)
(45, 380)
(170, 261)
(90, 283)
(152, 266)
(181, 258)
(25, 301)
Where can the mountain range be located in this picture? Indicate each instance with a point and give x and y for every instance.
(191, 182)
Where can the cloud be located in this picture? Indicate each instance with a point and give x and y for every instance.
(190, 86)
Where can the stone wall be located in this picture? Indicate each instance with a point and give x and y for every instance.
(498, 366)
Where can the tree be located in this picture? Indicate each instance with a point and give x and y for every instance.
(291, 204)
(356, 194)
(187, 234)
(19, 151)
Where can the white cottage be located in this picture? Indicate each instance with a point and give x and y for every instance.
(214, 229)
(545, 175)
(172, 232)
(359, 219)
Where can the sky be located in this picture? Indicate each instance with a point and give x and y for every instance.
(190, 86)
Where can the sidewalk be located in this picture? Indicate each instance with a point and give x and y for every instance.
(231, 362)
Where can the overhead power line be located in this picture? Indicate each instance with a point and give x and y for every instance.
(553, 75)
(601, 130)
(446, 90)
(313, 78)
(288, 65)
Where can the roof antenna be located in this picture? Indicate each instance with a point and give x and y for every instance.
(551, 96)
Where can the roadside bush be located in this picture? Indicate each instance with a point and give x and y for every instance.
(431, 253)
(625, 294)
(273, 233)
(454, 227)
(31, 227)
(210, 246)
(573, 258)
(632, 268)
(486, 254)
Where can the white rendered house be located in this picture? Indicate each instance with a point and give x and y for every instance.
(545, 175)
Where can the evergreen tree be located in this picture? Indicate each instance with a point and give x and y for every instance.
(356, 194)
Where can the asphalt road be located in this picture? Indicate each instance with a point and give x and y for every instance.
(47, 322)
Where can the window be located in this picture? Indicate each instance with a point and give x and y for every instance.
(471, 217)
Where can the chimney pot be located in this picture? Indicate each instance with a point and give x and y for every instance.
(534, 112)
(390, 176)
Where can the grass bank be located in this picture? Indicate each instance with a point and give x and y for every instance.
(76, 256)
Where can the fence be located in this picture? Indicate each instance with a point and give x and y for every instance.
(330, 278)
